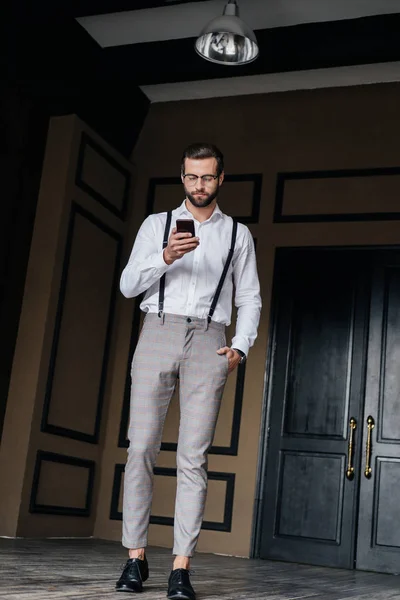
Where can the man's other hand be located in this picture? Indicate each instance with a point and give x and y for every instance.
(234, 357)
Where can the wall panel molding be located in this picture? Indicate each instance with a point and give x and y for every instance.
(61, 459)
(124, 422)
(285, 177)
(46, 425)
(254, 178)
(224, 526)
(231, 450)
(119, 211)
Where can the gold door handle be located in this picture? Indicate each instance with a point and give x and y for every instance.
(368, 450)
(350, 454)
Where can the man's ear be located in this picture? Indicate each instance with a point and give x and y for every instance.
(221, 178)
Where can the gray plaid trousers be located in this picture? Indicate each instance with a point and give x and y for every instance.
(168, 347)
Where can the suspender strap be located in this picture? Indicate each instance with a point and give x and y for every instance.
(162, 280)
(224, 272)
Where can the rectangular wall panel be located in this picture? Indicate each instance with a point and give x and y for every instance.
(78, 364)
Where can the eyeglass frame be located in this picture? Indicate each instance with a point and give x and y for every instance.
(184, 175)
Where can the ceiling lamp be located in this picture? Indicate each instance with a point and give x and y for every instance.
(227, 40)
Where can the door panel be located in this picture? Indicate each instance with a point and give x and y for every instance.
(316, 387)
(317, 405)
(306, 515)
(378, 546)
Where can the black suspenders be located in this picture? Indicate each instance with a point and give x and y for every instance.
(224, 272)
(222, 278)
(162, 280)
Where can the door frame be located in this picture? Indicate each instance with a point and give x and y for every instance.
(263, 449)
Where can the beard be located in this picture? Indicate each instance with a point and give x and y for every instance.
(201, 202)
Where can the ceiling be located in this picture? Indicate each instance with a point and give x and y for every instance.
(107, 60)
(174, 20)
(303, 44)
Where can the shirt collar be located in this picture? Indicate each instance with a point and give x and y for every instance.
(182, 210)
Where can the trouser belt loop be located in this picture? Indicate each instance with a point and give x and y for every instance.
(206, 323)
(161, 315)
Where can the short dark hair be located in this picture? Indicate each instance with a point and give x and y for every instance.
(203, 150)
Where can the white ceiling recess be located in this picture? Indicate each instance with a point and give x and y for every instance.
(186, 20)
(275, 82)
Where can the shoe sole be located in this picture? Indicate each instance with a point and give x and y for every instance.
(127, 589)
(178, 597)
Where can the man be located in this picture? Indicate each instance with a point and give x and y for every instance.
(183, 336)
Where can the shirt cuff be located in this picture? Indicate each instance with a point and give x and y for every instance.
(159, 262)
(241, 344)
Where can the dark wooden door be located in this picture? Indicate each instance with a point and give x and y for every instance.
(332, 482)
(316, 383)
(378, 544)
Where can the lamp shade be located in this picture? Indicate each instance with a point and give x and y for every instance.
(227, 39)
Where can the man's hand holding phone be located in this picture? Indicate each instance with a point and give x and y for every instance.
(181, 241)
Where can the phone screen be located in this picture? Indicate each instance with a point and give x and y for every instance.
(185, 226)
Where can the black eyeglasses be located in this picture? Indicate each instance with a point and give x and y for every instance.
(205, 179)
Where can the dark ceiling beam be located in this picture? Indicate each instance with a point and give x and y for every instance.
(366, 40)
(64, 71)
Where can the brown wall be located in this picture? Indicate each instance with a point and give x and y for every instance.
(65, 328)
(335, 129)
(50, 455)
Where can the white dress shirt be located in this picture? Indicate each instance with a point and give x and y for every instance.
(192, 280)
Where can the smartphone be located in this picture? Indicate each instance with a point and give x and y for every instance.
(185, 226)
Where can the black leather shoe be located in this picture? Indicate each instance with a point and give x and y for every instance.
(179, 586)
(135, 572)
